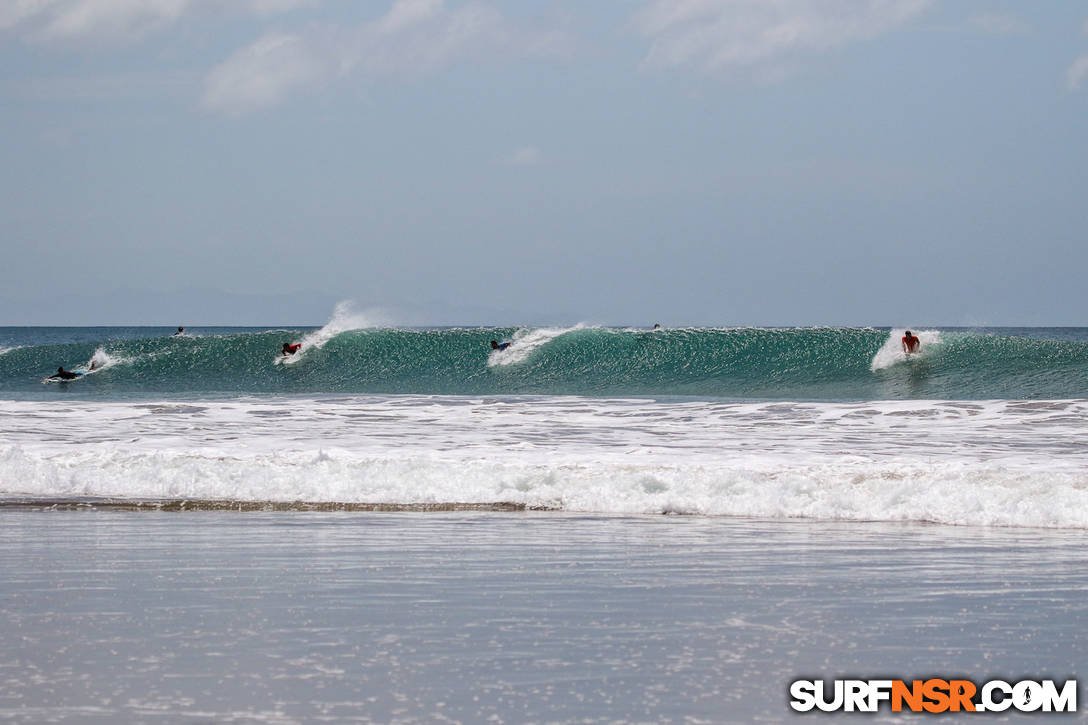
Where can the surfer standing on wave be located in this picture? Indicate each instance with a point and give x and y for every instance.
(289, 349)
(911, 343)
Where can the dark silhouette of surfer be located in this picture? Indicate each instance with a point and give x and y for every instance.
(495, 345)
(289, 349)
(181, 331)
(63, 374)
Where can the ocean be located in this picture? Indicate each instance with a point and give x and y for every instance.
(981, 427)
(596, 524)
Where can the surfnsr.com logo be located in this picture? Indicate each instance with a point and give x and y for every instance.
(933, 695)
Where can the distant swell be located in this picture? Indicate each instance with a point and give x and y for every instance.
(346, 356)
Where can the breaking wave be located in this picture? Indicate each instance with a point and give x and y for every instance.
(352, 355)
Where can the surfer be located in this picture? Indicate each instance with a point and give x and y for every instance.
(500, 345)
(63, 374)
(289, 349)
(181, 331)
(657, 325)
(911, 343)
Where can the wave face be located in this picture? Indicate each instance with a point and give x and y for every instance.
(745, 363)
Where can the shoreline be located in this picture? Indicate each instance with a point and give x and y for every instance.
(181, 505)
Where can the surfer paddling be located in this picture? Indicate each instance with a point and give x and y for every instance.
(289, 349)
(63, 374)
(911, 343)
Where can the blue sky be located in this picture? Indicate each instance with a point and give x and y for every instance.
(719, 162)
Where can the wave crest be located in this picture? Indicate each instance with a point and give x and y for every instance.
(344, 319)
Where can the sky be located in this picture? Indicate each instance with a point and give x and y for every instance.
(491, 162)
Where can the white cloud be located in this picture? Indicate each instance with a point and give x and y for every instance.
(111, 19)
(262, 74)
(16, 12)
(525, 156)
(274, 7)
(117, 21)
(1074, 77)
(1078, 72)
(414, 36)
(405, 13)
(729, 35)
(997, 24)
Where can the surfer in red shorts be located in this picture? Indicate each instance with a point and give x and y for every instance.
(911, 343)
(289, 349)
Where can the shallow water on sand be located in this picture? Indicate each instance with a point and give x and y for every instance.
(529, 617)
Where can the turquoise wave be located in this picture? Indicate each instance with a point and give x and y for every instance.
(749, 363)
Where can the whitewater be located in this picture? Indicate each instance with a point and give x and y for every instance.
(1006, 463)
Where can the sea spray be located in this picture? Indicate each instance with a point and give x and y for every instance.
(891, 352)
(101, 360)
(526, 341)
(344, 319)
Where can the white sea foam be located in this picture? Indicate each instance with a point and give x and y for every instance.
(344, 319)
(891, 352)
(101, 360)
(1009, 463)
(526, 342)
